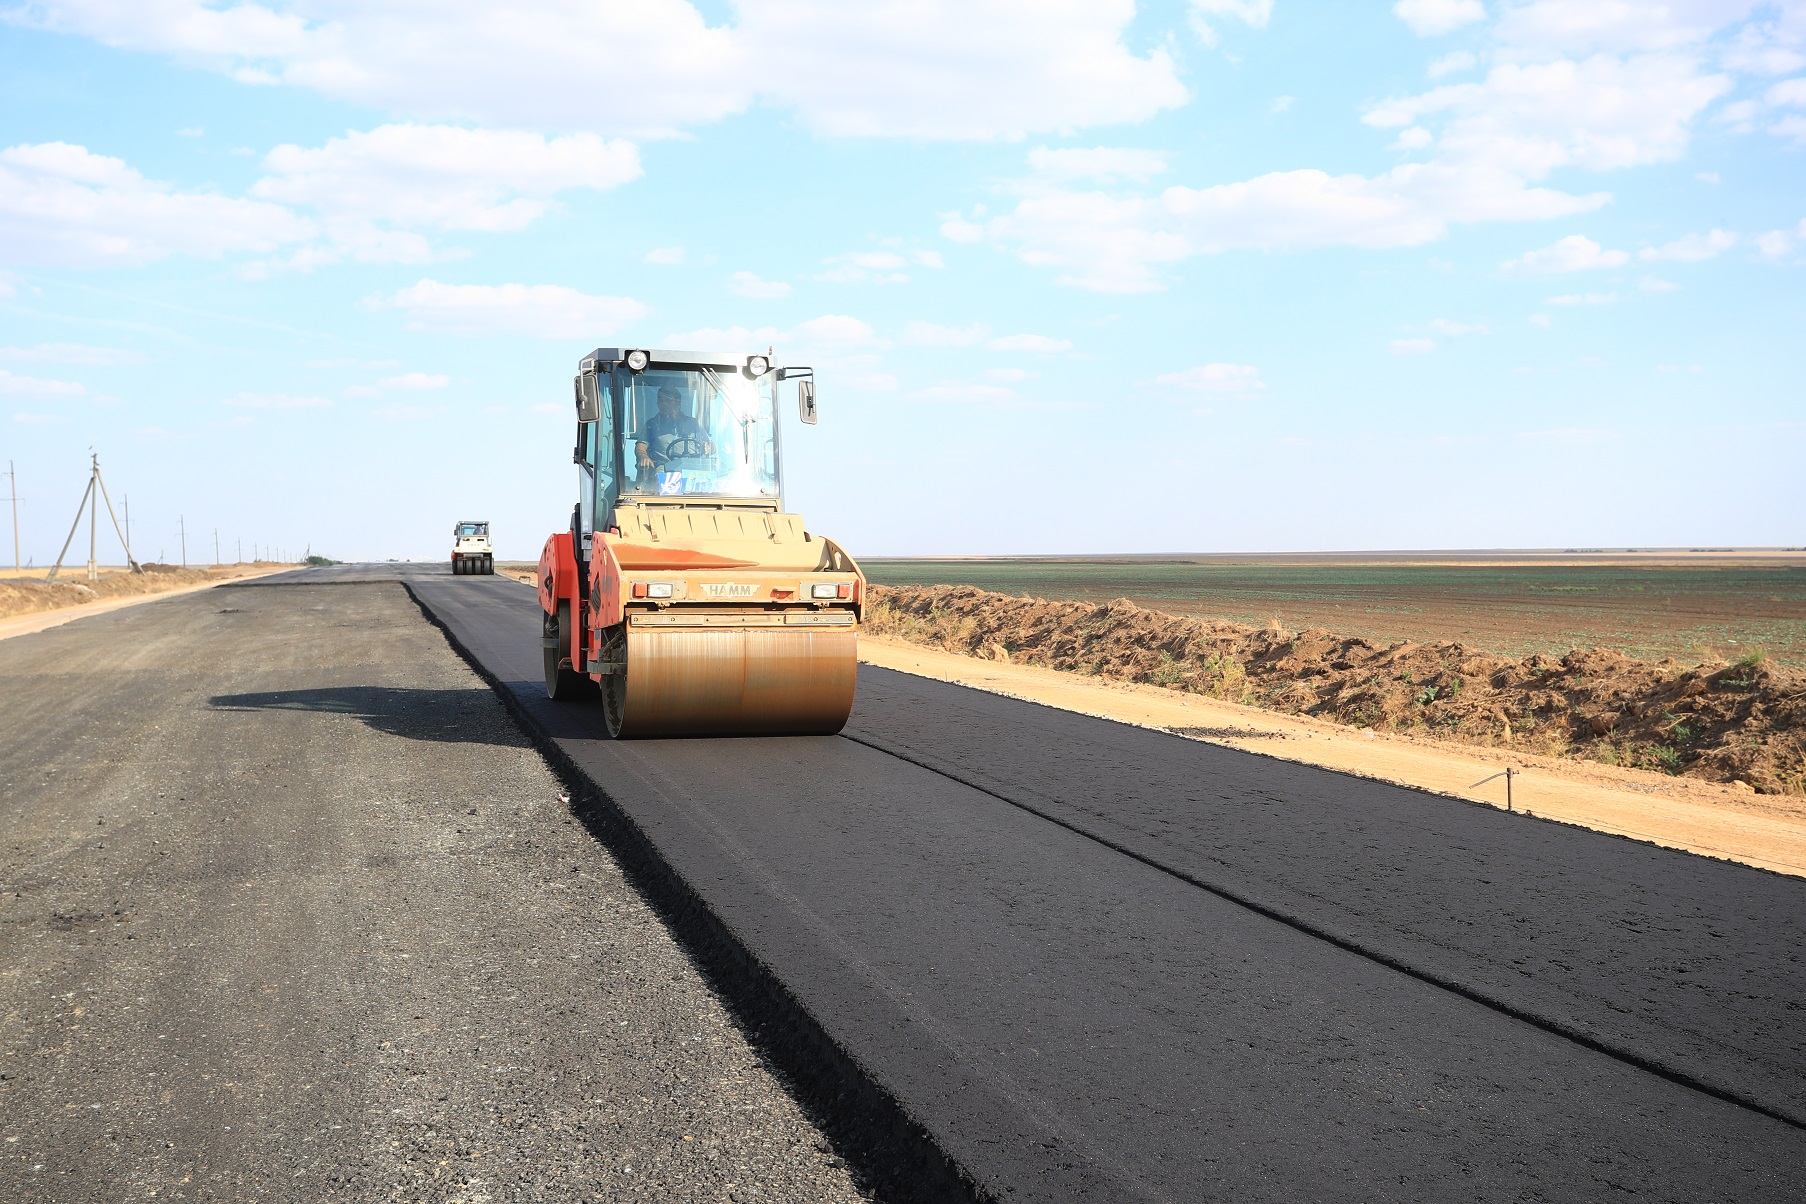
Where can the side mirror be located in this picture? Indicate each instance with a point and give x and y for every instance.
(589, 402)
(805, 401)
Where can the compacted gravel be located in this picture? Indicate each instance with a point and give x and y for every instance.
(289, 909)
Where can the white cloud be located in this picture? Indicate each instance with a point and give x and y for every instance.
(1528, 119)
(1105, 164)
(1413, 138)
(1028, 342)
(1414, 346)
(36, 386)
(909, 68)
(1428, 18)
(1582, 299)
(1253, 13)
(1541, 320)
(725, 338)
(26, 419)
(1614, 26)
(965, 391)
(665, 256)
(1787, 92)
(1451, 64)
(1693, 248)
(1655, 284)
(837, 330)
(748, 285)
(416, 380)
(1216, 378)
(1453, 329)
(866, 267)
(1282, 104)
(1575, 253)
(71, 353)
(62, 205)
(1776, 243)
(275, 401)
(444, 176)
(1009, 376)
(547, 311)
(1110, 243)
(927, 334)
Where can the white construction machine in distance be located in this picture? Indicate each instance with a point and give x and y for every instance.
(471, 552)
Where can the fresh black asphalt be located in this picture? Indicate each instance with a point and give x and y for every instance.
(1095, 962)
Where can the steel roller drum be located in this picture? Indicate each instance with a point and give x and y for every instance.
(724, 678)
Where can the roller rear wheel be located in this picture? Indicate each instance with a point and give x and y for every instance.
(563, 683)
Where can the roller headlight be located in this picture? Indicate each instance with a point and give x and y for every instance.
(830, 589)
(637, 361)
(758, 365)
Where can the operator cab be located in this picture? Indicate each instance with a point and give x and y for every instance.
(676, 428)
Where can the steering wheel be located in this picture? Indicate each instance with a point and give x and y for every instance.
(683, 447)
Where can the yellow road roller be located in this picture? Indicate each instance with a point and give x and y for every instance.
(683, 593)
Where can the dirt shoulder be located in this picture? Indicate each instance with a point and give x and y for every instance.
(1711, 819)
(25, 595)
(1741, 721)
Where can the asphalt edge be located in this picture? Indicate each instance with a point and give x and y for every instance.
(891, 1154)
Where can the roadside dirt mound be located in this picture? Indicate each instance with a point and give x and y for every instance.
(1724, 722)
(72, 588)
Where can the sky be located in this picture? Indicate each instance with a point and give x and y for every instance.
(1075, 277)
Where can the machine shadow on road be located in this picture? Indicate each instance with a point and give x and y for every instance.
(445, 716)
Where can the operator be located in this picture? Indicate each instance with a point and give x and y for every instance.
(670, 425)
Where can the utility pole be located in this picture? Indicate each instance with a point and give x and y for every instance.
(126, 502)
(182, 528)
(216, 547)
(92, 496)
(12, 478)
(240, 553)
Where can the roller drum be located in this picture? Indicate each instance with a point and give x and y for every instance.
(709, 681)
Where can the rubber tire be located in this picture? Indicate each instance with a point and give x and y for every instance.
(457, 568)
(613, 686)
(489, 566)
(563, 683)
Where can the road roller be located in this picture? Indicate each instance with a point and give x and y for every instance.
(683, 595)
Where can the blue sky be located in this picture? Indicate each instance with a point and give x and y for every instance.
(1075, 277)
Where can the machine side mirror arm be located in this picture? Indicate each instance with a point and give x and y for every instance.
(805, 392)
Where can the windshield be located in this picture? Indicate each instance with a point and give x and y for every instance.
(687, 431)
(469, 529)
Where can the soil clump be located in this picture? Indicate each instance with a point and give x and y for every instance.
(1741, 721)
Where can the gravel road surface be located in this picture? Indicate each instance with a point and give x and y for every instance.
(291, 910)
(1095, 962)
